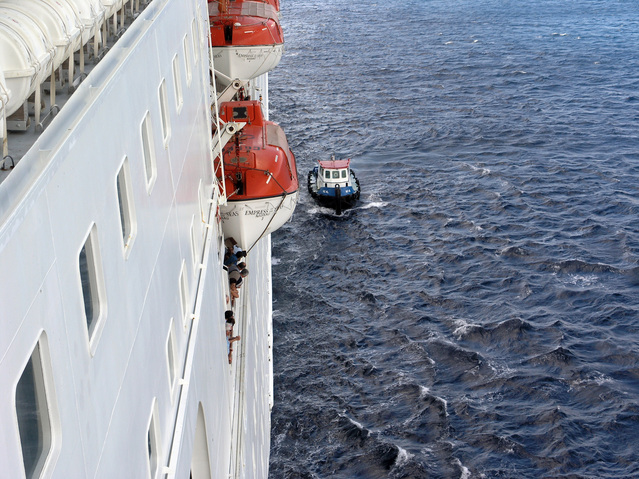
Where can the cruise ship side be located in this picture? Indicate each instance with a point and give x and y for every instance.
(113, 353)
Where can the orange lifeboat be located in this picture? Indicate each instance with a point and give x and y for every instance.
(260, 176)
(246, 38)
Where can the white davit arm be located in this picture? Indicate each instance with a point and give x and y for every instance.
(226, 133)
(230, 91)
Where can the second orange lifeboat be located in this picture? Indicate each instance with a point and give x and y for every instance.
(260, 175)
(246, 38)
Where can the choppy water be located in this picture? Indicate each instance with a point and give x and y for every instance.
(478, 314)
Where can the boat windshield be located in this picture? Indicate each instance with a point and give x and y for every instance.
(334, 174)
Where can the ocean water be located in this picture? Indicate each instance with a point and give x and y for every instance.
(477, 314)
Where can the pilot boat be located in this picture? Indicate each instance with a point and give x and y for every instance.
(259, 175)
(246, 38)
(333, 184)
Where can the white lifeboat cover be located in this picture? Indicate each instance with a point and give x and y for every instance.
(61, 34)
(92, 14)
(69, 15)
(112, 6)
(4, 99)
(26, 56)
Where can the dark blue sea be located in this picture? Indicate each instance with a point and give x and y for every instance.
(477, 314)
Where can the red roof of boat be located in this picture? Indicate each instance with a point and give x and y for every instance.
(334, 164)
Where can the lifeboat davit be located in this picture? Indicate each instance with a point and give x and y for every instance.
(260, 176)
(246, 38)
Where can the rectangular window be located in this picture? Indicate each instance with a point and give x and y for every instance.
(125, 203)
(201, 201)
(170, 356)
(93, 293)
(164, 112)
(153, 440)
(343, 173)
(148, 152)
(32, 410)
(177, 83)
(187, 60)
(196, 38)
(194, 251)
(184, 293)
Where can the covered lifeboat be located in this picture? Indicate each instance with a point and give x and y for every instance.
(259, 175)
(246, 38)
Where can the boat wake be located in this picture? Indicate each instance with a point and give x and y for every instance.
(373, 204)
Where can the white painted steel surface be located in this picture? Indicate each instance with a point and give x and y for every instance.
(252, 407)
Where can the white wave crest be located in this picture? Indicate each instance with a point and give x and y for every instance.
(402, 457)
(424, 391)
(465, 472)
(462, 327)
(373, 204)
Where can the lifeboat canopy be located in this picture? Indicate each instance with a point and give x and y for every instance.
(259, 175)
(246, 38)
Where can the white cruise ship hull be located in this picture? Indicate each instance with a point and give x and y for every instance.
(113, 293)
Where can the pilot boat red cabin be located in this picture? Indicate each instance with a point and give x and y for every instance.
(246, 38)
(260, 175)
